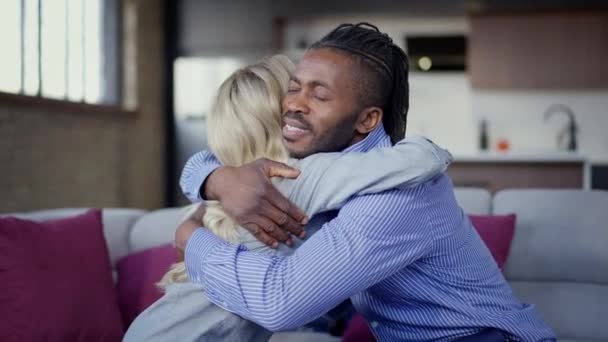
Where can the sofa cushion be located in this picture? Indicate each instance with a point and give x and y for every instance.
(138, 274)
(496, 231)
(57, 283)
(559, 259)
(561, 235)
(473, 200)
(574, 311)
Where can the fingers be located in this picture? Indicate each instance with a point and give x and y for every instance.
(179, 255)
(296, 213)
(184, 232)
(282, 221)
(268, 215)
(286, 223)
(276, 169)
(261, 235)
(199, 213)
(274, 231)
(287, 214)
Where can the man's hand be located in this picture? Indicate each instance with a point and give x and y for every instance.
(186, 229)
(248, 196)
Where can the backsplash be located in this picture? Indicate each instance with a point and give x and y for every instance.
(444, 107)
(519, 117)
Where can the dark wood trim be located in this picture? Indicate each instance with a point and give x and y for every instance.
(511, 175)
(52, 105)
(538, 50)
(279, 26)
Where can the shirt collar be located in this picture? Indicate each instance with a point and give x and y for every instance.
(376, 138)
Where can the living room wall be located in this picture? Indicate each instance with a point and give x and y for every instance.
(51, 158)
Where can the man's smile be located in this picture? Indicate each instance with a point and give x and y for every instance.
(294, 129)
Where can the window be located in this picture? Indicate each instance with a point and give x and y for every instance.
(53, 49)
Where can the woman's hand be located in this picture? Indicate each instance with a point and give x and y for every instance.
(186, 229)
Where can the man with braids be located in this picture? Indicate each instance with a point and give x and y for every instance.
(409, 259)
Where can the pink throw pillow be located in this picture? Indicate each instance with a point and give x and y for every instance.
(138, 274)
(57, 281)
(357, 330)
(496, 231)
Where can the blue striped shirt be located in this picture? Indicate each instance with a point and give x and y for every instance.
(410, 261)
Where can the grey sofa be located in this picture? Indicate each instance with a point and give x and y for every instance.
(558, 259)
(559, 255)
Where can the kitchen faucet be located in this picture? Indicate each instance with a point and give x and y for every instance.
(571, 130)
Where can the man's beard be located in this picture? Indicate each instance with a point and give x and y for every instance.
(335, 139)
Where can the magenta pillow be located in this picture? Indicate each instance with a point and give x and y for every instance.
(497, 233)
(357, 330)
(57, 281)
(138, 274)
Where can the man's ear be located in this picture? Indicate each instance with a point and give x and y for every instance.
(369, 119)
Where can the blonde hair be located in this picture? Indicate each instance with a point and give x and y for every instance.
(244, 125)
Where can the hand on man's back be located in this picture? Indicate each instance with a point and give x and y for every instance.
(248, 196)
(186, 229)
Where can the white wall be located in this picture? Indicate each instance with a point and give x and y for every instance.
(518, 117)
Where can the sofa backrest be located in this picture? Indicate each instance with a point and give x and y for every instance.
(155, 228)
(474, 200)
(158, 227)
(559, 257)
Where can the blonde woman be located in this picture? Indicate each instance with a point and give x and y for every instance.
(245, 125)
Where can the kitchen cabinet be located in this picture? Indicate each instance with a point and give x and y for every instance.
(539, 50)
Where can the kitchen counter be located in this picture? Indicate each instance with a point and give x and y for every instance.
(496, 171)
(521, 157)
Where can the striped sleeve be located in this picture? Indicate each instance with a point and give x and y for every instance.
(373, 237)
(196, 170)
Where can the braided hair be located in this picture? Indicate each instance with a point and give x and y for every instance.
(383, 81)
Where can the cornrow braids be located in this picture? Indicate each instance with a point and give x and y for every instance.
(383, 81)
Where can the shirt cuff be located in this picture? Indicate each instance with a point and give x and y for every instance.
(197, 180)
(199, 246)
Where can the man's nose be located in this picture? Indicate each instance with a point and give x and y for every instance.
(295, 103)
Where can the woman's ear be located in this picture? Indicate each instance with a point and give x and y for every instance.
(369, 119)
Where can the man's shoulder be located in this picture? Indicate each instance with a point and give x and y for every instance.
(393, 213)
(400, 202)
(411, 193)
(386, 203)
